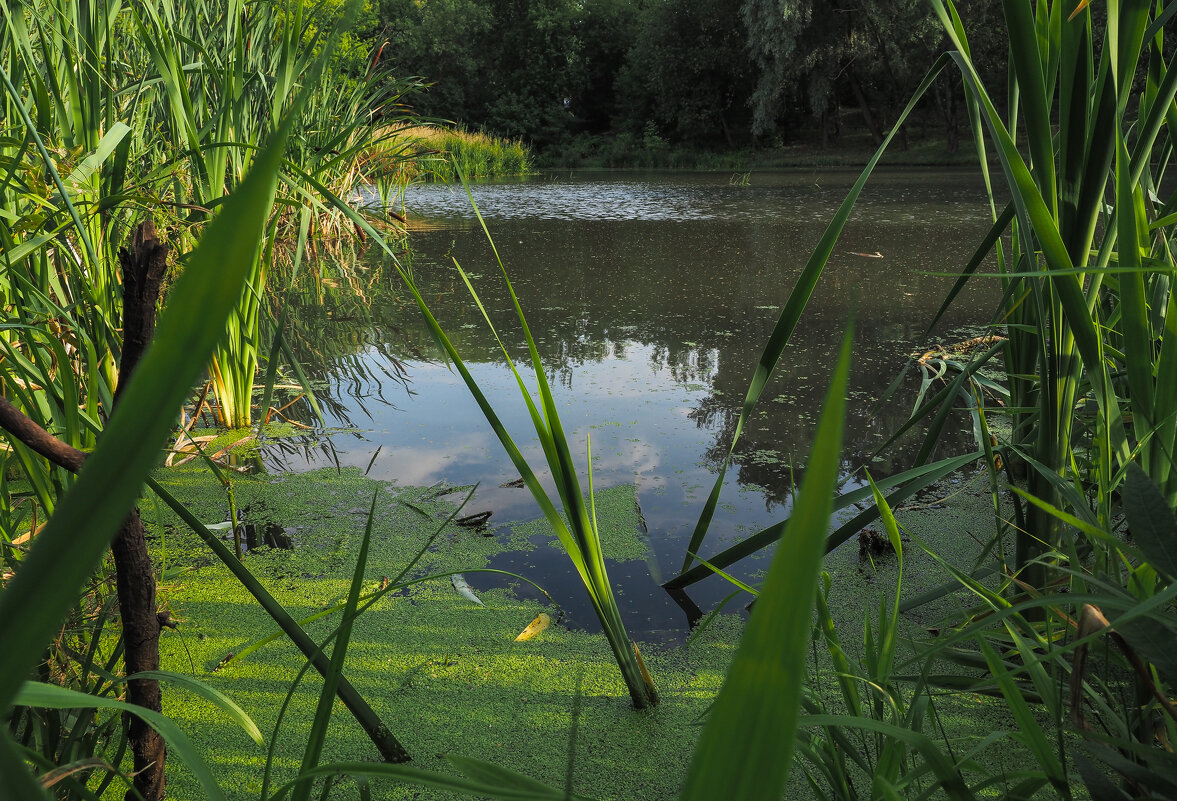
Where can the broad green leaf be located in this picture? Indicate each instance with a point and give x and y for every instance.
(218, 698)
(88, 516)
(1151, 520)
(106, 146)
(745, 751)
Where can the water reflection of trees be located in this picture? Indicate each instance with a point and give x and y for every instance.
(703, 309)
(342, 328)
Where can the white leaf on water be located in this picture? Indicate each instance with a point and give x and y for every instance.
(459, 582)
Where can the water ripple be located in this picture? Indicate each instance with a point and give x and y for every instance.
(699, 197)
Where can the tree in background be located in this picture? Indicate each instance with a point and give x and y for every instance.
(709, 74)
(508, 66)
(817, 51)
(689, 73)
(607, 32)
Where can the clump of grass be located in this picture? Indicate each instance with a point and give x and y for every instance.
(443, 153)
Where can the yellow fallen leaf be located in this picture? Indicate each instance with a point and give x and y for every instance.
(541, 622)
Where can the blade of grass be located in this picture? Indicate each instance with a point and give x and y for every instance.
(53, 697)
(39, 595)
(745, 751)
(226, 704)
(318, 734)
(908, 483)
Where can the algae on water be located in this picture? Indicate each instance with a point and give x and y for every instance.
(619, 523)
(448, 676)
(445, 675)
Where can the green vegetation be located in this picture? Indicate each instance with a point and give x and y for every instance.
(196, 115)
(445, 154)
(447, 653)
(684, 83)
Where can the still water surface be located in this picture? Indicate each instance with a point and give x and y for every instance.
(651, 296)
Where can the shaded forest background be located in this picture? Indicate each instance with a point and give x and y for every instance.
(576, 77)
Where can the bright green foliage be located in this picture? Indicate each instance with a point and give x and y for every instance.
(1086, 281)
(72, 543)
(121, 112)
(577, 528)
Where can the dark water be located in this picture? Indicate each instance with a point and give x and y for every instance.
(651, 297)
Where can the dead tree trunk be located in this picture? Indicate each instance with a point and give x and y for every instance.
(143, 266)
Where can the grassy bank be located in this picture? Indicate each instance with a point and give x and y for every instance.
(438, 153)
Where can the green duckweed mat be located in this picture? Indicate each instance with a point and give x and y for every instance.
(444, 673)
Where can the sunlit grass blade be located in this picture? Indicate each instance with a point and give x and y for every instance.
(745, 751)
(209, 693)
(578, 535)
(322, 719)
(904, 484)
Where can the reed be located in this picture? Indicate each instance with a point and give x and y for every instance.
(1086, 278)
(1087, 300)
(443, 153)
(67, 550)
(157, 110)
(95, 92)
(576, 528)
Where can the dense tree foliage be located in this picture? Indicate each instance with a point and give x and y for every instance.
(688, 72)
(509, 66)
(874, 51)
(705, 73)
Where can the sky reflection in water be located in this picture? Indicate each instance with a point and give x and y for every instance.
(651, 297)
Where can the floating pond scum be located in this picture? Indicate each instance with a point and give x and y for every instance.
(439, 669)
(447, 675)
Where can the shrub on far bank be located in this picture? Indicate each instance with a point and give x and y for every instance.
(436, 150)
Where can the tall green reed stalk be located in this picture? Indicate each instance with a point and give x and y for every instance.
(577, 527)
(121, 111)
(72, 542)
(900, 486)
(1087, 279)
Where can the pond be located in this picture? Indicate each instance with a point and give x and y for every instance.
(651, 297)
